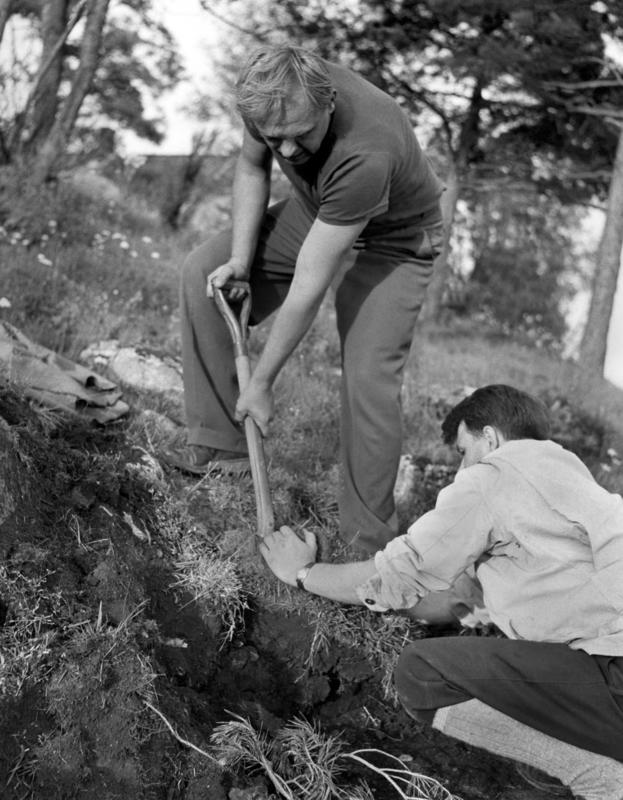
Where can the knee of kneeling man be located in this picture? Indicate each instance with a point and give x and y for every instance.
(409, 678)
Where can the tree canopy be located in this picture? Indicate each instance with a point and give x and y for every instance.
(134, 60)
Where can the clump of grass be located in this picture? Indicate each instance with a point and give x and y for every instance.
(378, 638)
(28, 630)
(304, 763)
(214, 583)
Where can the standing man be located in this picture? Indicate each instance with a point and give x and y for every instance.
(364, 214)
(547, 542)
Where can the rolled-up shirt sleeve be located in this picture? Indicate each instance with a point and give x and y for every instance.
(437, 547)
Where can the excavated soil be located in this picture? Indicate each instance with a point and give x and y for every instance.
(84, 544)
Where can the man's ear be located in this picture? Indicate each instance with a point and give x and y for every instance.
(492, 436)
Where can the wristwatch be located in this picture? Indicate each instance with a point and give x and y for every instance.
(302, 574)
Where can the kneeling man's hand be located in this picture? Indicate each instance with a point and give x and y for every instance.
(285, 553)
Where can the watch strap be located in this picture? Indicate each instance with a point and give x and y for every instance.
(302, 574)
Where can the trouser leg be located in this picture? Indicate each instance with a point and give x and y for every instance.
(377, 305)
(588, 775)
(210, 383)
(564, 693)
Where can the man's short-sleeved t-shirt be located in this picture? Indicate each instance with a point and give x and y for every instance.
(369, 166)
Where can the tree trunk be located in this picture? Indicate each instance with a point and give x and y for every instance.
(595, 338)
(468, 141)
(172, 207)
(434, 293)
(5, 13)
(56, 143)
(45, 92)
(5, 150)
(43, 97)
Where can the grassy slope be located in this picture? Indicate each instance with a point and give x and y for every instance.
(463, 356)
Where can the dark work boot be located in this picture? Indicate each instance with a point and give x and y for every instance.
(196, 459)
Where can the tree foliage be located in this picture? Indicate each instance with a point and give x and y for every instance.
(523, 257)
(61, 128)
(134, 58)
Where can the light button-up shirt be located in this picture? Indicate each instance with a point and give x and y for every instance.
(546, 539)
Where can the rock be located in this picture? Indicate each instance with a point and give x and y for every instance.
(405, 481)
(146, 371)
(137, 367)
(100, 353)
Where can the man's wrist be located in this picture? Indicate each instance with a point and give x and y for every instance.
(240, 268)
(302, 574)
(260, 381)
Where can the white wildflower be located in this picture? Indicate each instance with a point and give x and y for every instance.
(44, 260)
(155, 254)
(5, 302)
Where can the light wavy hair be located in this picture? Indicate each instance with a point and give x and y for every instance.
(269, 75)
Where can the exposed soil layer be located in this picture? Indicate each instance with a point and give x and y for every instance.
(102, 635)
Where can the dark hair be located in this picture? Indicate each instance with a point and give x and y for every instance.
(514, 413)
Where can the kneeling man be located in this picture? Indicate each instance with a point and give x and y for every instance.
(547, 544)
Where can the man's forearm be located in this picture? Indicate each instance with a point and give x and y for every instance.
(318, 262)
(291, 324)
(251, 190)
(339, 581)
(286, 553)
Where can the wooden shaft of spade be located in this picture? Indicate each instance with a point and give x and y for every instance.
(238, 328)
